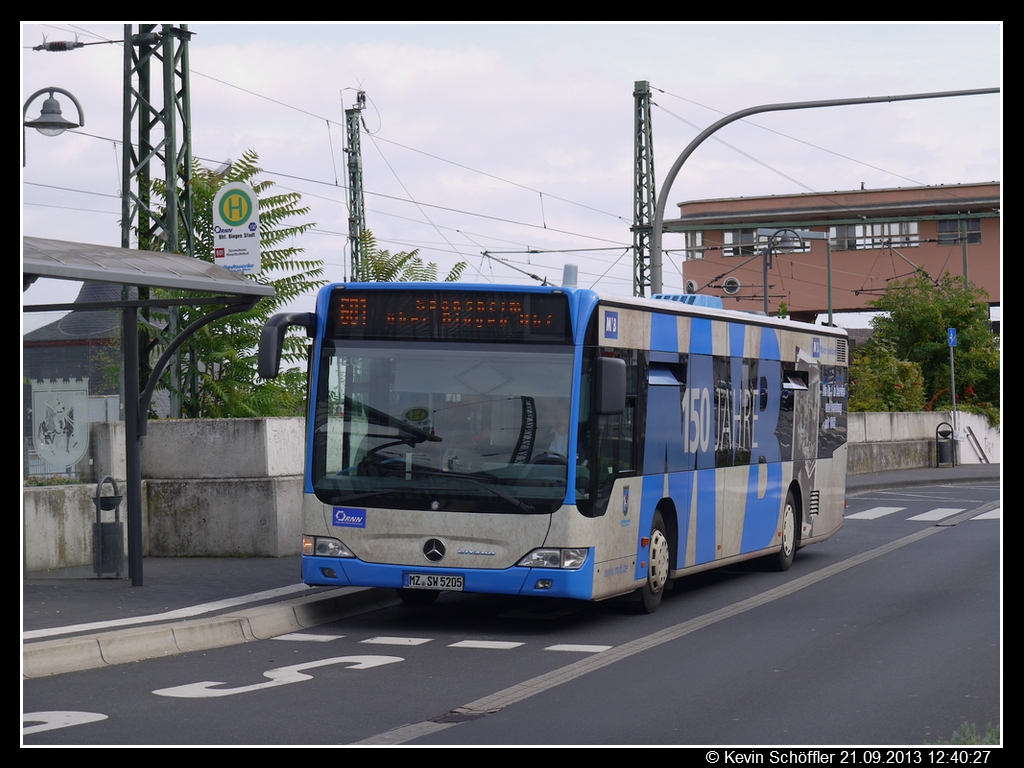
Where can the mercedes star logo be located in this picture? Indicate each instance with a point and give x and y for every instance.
(433, 550)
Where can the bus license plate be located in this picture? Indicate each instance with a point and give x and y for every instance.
(432, 581)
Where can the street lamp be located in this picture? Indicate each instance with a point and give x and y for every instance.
(50, 121)
(782, 240)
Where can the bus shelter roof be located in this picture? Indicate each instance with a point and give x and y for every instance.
(147, 269)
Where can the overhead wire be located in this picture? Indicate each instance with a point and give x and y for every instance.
(376, 138)
(406, 190)
(450, 209)
(421, 206)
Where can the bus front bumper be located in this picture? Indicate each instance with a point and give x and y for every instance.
(546, 582)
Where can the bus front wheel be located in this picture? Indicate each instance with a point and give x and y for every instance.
(657, 567)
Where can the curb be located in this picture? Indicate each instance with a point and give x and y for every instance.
(76, 654)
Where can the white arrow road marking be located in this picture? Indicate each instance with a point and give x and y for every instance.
(49, 721)
(279, 676)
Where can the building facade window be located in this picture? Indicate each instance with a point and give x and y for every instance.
(694, 245)
(887, 234)
(949, 231)
(739, 242)
(745, 242)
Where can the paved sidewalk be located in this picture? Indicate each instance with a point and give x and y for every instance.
(72, 621)
(966, 473)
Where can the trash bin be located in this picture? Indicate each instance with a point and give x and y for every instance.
(108, 538)
(944, 445)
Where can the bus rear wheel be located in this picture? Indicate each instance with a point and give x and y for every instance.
(657, 567)
(784, 558)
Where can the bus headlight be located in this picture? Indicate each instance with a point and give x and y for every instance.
(569, 558)
(324, 547)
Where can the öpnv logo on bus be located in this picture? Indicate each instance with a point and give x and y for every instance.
(236, 229)
(349, 517)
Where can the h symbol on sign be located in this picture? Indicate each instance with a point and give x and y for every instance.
(236, 205)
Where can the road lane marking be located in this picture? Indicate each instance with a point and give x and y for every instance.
(874, 513)
(308, 637)
(528, 688)
(939, 513)
(578, 648)
(992, 514)
(493, 645)
(396, 640)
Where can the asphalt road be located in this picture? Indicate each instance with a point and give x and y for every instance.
(887, 634)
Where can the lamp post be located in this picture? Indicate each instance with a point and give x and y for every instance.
(658, 224)
(782, 239)
(50, 121)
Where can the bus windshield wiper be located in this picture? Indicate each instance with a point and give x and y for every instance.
(381, 419)
(413, 435)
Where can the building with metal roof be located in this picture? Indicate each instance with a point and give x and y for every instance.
(874, 236)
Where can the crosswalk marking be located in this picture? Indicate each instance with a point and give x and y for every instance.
(874, 513)
(939, 513)
(303, 637)
(931, 516)
(494, 645)
(396, 640)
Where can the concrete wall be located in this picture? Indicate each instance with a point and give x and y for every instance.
(223, 448)
(232, 517)
(58, 526)
(214, 488)
(224, 487)
(880, 442)
(233, 487)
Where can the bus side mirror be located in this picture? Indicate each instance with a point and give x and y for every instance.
(610, 392)
(272, 340)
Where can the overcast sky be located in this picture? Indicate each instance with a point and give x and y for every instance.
(515, 138)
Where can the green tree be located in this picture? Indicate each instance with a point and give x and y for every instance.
(219, 362)
(883, 382)
(378, 266)
(917, 312)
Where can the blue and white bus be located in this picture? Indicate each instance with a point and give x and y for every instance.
(553, 441)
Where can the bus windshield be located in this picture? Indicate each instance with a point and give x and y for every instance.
(437, 426)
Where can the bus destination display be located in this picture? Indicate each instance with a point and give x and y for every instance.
(449, 315)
